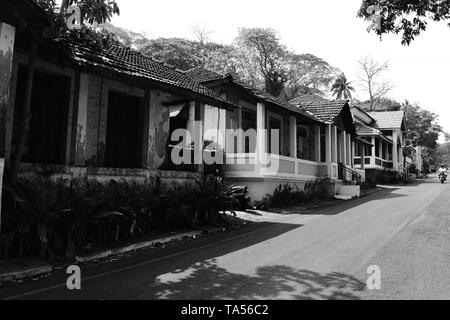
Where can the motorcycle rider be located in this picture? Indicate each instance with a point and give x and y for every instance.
(442, 170)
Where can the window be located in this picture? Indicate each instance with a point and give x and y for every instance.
(302, 143)
(248, 123)
(274, 124)
(46, 141)
(377, 148)
(368, 150)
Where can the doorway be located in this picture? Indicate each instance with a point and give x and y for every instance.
(124, 131)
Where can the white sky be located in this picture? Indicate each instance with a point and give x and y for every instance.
(326, 28)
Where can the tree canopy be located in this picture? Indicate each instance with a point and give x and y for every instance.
(423, 129)
(256, 57)
(406, 17)
(371, 81)
(342, 88)
(93, 13)
(441, 154)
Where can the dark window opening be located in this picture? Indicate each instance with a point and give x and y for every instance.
(274, 124)
(248, 123)
(377, 148)
(178, 120)
(124, 131)
(323, 148)
(368, 151)
(46, 140)
(302, 143)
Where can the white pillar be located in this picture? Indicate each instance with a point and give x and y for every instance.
(195, 128)
(261, 145)
(328, 144)
(373, 149)
(363, 152)
(190, 123)
(318, 156)
(334, 143)
(7, 37)
(222, 127)
(352, 153)
(293, 137)
(240, 141)
(344, 147)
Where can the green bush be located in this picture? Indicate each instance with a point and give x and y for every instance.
(58, 219)
(287, 195)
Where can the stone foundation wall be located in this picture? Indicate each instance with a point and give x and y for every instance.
(166, 180)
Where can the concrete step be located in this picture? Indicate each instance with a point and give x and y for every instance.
(22, 268)
(349, 190)
(343, 197)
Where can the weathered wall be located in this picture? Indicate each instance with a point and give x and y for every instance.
(7, 36)
(159, 125)
(81, 119)
(97, 108)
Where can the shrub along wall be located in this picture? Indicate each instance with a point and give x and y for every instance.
(290, 195)
(52, 219)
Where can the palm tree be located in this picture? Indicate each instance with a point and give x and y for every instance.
(342, 88)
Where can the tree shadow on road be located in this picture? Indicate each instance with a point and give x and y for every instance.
(208, 281)
(340, 207)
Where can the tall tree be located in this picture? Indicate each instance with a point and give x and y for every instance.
(342, 88)
(262, 49)
(182, 53)
(310, 71)
(257, 59)
(370, 79)
(390, 104)
(423, 129)
(407, 17)
(441, 155)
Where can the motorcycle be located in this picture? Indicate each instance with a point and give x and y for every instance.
(442, 177)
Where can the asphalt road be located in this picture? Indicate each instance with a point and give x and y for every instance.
(405, 231)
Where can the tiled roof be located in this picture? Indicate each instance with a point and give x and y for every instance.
(363, 130)
(388, 119)
(325, 110)
(125, 61)
(271, 99)
(203, 75)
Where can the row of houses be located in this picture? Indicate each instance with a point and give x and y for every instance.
(111, 112)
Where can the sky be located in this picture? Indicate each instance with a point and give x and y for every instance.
(326, 28)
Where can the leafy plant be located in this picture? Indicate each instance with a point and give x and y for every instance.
(39, 202)
(61, 218)
(287, 195)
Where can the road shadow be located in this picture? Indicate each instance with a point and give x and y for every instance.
(386, 192)
(213, 246)
(208, 281)
(418, 182)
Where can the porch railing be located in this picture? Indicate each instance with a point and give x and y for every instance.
(344, 172)
(215, 169)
